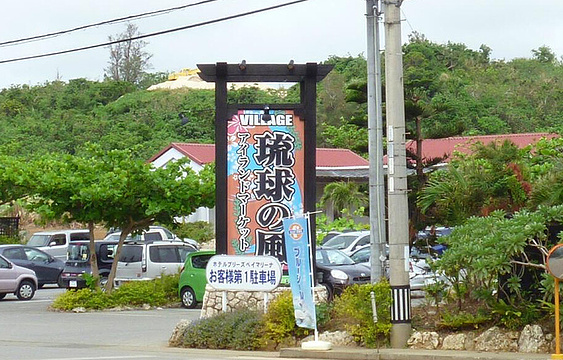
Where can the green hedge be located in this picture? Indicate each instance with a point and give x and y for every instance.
(159, 292)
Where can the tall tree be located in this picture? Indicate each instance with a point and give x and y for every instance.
(117, 189)
(128, 61)
(493, 177)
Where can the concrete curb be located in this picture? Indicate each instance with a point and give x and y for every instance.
(351, 353)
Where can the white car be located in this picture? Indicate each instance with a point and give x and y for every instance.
(349, 242)
(142, 260)
(16, 280)
(154, 233)
(420, 273)
(55, 243)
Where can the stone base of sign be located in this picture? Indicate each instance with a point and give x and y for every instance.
(213, 299)
(316, 345)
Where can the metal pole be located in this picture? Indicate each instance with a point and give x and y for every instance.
(397, 178)
(557, 322)
(374, 161)
(380, 182)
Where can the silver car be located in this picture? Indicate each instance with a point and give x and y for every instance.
(16, 280)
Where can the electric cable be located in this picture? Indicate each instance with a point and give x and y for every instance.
(106, 22)
(230, 17)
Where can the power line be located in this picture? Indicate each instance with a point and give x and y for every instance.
(113, 21)
(152, 34)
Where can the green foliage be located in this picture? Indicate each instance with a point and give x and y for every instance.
(353, 308)
(201, 231)
(493, 177)
(516, 315)
(156, 292)
(346, 135)
(91, 281)
(237, 330)
(9, 240)
(483, 250)
(86, 298)
(346, 222)
(279, 320)
(460, 320)
(343, 195)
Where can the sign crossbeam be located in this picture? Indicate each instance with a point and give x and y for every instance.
(263, 72)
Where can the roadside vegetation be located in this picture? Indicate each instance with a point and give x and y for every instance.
(247, 329)
(77, 151)
(159, 292)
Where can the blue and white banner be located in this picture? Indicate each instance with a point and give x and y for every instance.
(298, 254)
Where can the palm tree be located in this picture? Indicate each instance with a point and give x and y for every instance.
(343, 195)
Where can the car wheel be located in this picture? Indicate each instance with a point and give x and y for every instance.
(329, 292)
(103, 281)
(188, 298)
(26, 290)
(2, 296)
(60, 282)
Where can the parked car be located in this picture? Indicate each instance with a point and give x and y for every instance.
(191, 286)
(336, 271)
(56, 243)
(363, 255)
(47, 268)
(329, 236)
(349, 242)
(420, 273)
(16, 280)
(78, 262)
(146, 260)
(154, 233)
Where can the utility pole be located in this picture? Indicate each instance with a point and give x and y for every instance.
(375, 134)
(397, 178)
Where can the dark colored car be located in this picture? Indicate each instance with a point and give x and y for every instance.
(78, 262)
(336, 271)
(47, 268)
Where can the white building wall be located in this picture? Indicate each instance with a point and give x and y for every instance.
(201, 214)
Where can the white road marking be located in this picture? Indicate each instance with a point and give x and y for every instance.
(106, 357)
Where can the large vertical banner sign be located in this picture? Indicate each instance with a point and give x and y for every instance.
(265, 180)
(299, 264)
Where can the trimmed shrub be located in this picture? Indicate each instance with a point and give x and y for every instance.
(279, 320)
(353, 309)
(237, 330)
(156, 292)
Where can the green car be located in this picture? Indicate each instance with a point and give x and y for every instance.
(192, 278)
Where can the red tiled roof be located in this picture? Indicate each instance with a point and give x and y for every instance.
(326, 158)
(434, 148)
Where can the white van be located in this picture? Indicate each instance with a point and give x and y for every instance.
(153, 233)
(55, 243)
(149, 260)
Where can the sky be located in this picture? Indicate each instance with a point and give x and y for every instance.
(309, 31)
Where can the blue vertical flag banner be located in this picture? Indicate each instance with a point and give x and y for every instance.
(298, 254)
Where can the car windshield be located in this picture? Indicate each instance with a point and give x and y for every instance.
(78, 252)
(362, 255)
(333, 257)
(39, 240)
(340, 241)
